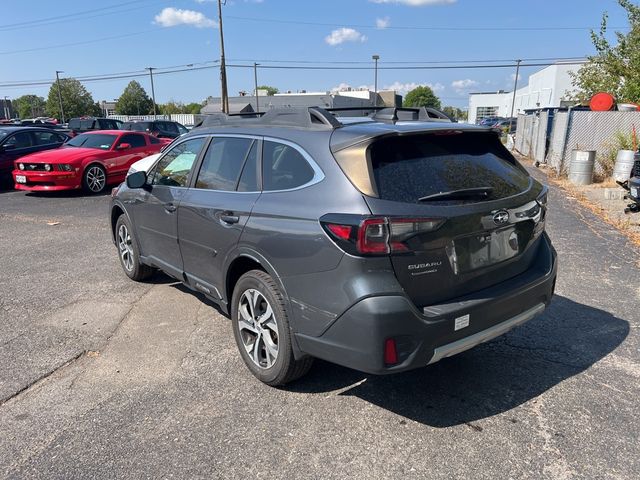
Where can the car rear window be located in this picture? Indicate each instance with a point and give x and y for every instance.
(137, 126)
(407, 168)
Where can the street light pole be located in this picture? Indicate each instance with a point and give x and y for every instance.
(255, 80)
(153, 92)
(6, 108)
(224, 96)
(513, 101)
(375, 83)
(58, 72)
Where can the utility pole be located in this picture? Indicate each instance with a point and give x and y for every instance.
(6, 108)
(153, 92)
(224, 96)
(375, 83)
(255, 80)
(58, 72)
(515, 87)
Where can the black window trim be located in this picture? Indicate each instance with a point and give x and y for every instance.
(194, 167)
(318, 174)
(212, 136)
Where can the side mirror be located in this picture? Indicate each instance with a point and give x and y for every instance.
(137, 179)
(123, 146)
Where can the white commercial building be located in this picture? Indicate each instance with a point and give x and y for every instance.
(547, 88)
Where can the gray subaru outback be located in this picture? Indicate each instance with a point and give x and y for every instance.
(383, 242)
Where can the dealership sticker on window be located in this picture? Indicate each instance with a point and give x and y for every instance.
(461, 322)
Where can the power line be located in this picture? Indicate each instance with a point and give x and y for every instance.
(75, 16)
(406, 27)
(187, 68)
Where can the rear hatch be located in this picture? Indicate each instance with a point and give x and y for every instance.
(460, 213)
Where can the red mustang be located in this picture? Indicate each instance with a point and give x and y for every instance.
(91, 161)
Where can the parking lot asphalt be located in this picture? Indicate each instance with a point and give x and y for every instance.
(101, 377)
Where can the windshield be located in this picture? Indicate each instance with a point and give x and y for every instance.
(92, 140)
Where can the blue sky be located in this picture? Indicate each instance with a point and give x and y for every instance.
(41, 36)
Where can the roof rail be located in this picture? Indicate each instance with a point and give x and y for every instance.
(306, 117)
(395, 114)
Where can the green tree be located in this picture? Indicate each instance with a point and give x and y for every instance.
(134, 101)
(193, 108)
(29, 106)
(614, 68)
(76, 100)
(172, 107)
(421, 96)
(270, 90)
(456, 113)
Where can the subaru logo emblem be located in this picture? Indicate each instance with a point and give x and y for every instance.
(501, 217)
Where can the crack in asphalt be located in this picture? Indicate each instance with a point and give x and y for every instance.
(77, 356)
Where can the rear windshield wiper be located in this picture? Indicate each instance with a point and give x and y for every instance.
(478, 192)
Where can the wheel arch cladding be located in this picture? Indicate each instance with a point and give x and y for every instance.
(237, 268)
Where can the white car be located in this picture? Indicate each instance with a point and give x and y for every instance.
(144, 164)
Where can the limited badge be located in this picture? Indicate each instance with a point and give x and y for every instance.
(461, 322)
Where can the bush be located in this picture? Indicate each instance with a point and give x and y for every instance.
(619, 141)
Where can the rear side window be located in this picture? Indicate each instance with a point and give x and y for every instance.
(174, 167)
(283, 167)
(86, 124)
(223, 162)
(74, 123)
(47, 138)
(408, 168)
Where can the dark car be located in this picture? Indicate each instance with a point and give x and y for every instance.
(382, 244)
(509, 125)
(157, 128)
(16, 142)
(87, 124)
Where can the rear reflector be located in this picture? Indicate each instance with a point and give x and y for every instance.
(390, 352)
(341, 231)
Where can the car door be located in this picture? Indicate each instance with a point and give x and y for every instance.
(126, 157)
(213, 212)
(154, 209)
(15, 146)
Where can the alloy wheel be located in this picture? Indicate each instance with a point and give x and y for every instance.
(125, 248)
(258, 328)
(96, 178)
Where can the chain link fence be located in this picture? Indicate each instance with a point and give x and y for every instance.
(571, 130)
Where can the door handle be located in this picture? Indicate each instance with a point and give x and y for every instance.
(170, 207)
(229, 218)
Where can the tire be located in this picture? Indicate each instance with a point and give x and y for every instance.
(94, 179)
(128, 251)
(257, 340)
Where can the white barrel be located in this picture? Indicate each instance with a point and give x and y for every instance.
(581, 167)
(624, 165)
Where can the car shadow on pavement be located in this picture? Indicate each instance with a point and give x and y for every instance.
(490, 379)
(68, 194)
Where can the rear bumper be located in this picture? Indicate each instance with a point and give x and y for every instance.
(356, 339)
(48, 181)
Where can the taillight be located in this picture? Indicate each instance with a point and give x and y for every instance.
(373, 236)
(376, 235)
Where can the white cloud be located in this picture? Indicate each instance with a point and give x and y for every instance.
(462, 86)
(343, 87)
(512, 77)
(341, 35)
(382, 23)
(417, 3)
(403, 88)
(171, 17)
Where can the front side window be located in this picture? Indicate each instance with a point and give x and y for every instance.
(174, 167)
(20, 140)
(223, 162)
(284, 167)
(136, 141)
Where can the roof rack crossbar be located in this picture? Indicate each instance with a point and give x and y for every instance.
(307, 117)
(424, 114)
